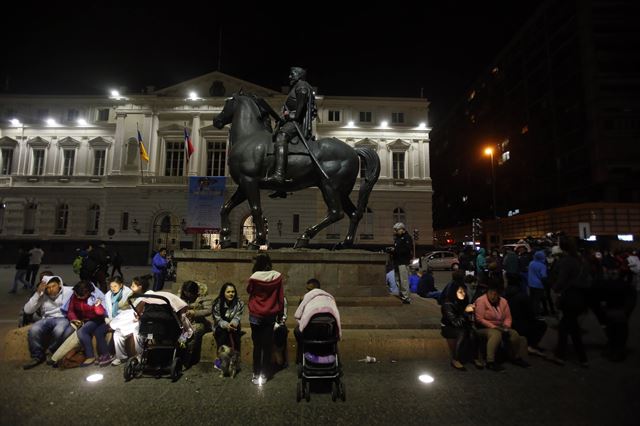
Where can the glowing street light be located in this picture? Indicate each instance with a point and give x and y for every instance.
(82, 122)
(489, 151)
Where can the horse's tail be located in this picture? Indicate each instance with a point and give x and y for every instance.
(371, 175)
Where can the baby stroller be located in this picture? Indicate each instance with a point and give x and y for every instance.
(320, 361)
(160, 328)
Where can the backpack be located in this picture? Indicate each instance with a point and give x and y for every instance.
(74, 358)
(77, 264)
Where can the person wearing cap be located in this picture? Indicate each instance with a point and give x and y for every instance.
(54, 327)
(401, 255)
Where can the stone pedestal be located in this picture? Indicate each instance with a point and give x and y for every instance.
(345, 273)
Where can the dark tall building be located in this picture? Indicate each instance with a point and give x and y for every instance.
(560, 106)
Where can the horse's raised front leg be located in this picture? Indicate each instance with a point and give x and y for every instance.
(225, 233)
(252, 191)
(334, 213)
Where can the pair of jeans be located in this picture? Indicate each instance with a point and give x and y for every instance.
(90, 328)
(402, 280)
(51, 330)
(158, 281)
(21, 276)
(262, 338)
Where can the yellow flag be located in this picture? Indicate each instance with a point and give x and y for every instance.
(143, 152)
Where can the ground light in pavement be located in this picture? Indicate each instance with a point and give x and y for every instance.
(95, 377)
(426, 378)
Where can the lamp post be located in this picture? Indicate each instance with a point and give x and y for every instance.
(489, 151)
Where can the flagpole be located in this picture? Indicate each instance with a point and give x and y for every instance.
(139, 156)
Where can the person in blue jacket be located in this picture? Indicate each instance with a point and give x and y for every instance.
(537, 273)
(159, 266)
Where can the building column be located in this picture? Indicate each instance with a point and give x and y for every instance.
(424, 158)
(51, 167)
(153, 150)
(118, 146)
(194, 162)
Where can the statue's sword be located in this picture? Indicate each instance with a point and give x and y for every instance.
(313, 157)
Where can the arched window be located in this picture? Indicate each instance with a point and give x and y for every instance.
(62, 218)
(30, 210)
(399, 215)
(165, 225)
(366, 225)
(93, 220)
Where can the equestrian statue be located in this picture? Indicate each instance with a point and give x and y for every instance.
(261, 158)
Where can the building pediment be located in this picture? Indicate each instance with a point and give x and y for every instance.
(367, 143)
(7, 142)
(69, 142)
(398, 145)
(214, 84)
(172, 129)
(38, 142)
(99, 142)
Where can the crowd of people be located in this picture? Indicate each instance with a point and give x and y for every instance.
(516, 294)
(68, 319)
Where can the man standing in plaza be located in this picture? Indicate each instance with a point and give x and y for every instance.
(159, 267)
(35, 259)
(401, 254)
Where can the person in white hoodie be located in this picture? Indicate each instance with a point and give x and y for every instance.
(54, 327)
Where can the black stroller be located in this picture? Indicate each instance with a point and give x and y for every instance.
(160, 328)
(320, 360)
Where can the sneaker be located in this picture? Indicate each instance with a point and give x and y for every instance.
(478, 363)
(217, 363)
(494, 367)
(33, 363)
(457, 365)
(118, 361)
(406, 301)
(104, 360)
(50, 360)
(255, 379)
(521, 363)
(88, 362)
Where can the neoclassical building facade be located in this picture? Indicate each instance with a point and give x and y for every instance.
(70, 169)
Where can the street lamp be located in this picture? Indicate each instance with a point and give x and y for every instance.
(489, 151)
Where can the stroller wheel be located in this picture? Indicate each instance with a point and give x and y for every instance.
(341, 390)
(307, 391)
(299, 391)
(334, 391)
(129, 369)
(176, 369)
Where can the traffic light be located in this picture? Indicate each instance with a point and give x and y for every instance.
(476, 226)
(479, 225)
(416, 235)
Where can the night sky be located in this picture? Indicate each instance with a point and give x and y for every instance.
(395, 50)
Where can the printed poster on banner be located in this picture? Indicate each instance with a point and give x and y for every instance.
(206, 197)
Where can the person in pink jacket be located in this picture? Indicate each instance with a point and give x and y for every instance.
(266, 301)
(493, 319)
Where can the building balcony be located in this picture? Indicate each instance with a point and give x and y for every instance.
(91, 181)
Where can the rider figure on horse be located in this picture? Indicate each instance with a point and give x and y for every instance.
(299, 110)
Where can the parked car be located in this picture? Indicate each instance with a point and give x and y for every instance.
(441, 260)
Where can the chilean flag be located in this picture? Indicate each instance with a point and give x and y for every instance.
(188, 146)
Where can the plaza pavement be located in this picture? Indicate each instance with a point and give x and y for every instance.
(384, 393)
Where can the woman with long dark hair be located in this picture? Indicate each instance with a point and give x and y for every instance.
(227, 311)
(266, 301)
(457, 326)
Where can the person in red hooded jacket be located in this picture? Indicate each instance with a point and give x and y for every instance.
(266, 301)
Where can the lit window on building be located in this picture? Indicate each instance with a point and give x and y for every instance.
(98, 162)
(72, 115)
(334, 115)
(365, 116)
(398, 165)
(30, 210)
(6, 160)
(216, 158)
(397, 117)
(399, 215)
(62, 218)
(38, 162)
(174, 163)
(505, 156)
(103, 114)
(68, 164)
(93, 220)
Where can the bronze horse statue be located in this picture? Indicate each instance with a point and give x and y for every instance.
(250, 160)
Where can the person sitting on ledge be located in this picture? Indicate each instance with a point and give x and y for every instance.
(199, 313)
(227, 310)
(457, 325)
(493, 319)
(54, 328)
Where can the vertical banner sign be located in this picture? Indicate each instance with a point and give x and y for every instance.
(206, 196)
